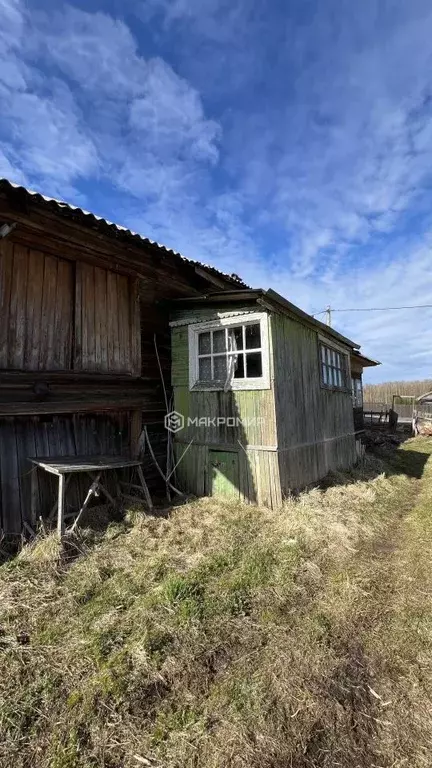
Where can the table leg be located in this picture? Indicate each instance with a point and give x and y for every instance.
(144, 487)
(60, 508)
(33, 496)
(90, 493)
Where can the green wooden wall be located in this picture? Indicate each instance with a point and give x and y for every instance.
(315, 427)
(306, 431)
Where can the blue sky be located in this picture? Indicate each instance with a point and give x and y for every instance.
(290, 142)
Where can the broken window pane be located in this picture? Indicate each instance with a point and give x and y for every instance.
(253, 365)
(239, 367)
(236, 338)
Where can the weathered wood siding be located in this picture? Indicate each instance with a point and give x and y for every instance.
(58, 316)
(233, 405)
(106, 322)
(306, 431)
(259, 481)
(80, 308)
(258, 461)
(36, 309)
(315, 425)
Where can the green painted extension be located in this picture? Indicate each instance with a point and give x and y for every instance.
(273, 440)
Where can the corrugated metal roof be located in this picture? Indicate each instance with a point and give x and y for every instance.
(108, 227)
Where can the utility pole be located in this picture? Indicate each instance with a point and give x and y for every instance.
(328, 315)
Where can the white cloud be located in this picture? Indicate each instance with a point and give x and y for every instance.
(320, 146)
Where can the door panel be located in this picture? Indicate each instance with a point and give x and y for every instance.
(224, 474)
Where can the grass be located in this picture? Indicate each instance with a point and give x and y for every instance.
(229, 636)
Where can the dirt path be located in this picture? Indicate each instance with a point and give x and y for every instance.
(385, 639)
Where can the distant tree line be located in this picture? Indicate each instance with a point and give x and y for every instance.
(383, 393)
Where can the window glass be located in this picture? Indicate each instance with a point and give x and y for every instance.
(333, 367)
(253, 365)
(204, 343)
(230, 353)
(235, 336)
(220, 368)
(219, 341)
(204, 367)
(253, 336)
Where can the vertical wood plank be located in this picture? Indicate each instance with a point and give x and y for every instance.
(34, 308)
(10, 488)
(48, 330)
(6, 268)
(135, 325)
(63, 315)
(135, 432)
(17, 318)
(78, 329)
(124, 323)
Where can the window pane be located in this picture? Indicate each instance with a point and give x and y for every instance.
(253, 365)
(324, 373)
(204, 343)
(204, 369)
(236, 338)
(219, 341)
(253, 336)
(220, 368)
(339, 378)
(239, 368)
(323, 353)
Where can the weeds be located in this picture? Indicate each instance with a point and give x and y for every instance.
(228, 636)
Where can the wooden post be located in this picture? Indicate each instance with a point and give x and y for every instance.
(60, 511)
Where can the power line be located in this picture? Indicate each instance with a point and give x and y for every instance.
(376, 309)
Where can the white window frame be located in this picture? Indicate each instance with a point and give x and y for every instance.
(251, 318)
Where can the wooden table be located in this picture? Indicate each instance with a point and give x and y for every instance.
(66, 466)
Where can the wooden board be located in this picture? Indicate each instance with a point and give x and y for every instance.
(36, 301)
(224, 475)
(107, 322)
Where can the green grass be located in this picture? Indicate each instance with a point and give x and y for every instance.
(229, 635)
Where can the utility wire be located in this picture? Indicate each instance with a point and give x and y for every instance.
(378, 309)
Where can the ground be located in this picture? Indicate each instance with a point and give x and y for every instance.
(230, 636)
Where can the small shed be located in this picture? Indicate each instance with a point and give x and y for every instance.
(263, 396)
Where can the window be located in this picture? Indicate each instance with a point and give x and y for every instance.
(333, 368)
(357, 392)
(230, 353)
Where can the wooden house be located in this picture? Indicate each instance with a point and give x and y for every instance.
(263, 395)
(80, 311)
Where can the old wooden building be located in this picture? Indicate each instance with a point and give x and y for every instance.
(263, 395)
(80, 313)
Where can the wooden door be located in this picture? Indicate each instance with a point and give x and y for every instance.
(224, 474)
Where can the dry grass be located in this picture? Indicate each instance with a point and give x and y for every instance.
(228, 636)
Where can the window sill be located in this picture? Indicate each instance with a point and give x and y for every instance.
(246, 386)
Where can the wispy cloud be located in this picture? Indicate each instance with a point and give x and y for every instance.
(293, 147)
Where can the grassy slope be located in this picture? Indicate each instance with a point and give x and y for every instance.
(229, 636)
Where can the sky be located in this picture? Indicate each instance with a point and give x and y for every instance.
(287, 141)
